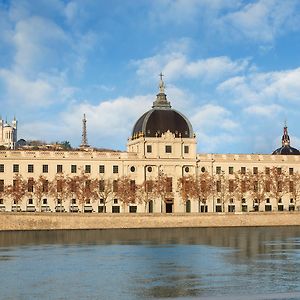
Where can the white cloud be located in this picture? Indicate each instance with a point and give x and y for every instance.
(269, 111)
(262, 20)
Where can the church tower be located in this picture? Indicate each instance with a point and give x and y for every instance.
(8, 133)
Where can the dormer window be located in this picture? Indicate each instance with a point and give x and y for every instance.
(186, 149)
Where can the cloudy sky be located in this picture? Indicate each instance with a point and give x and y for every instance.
(232, 67)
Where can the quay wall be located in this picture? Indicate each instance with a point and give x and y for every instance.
(55, 221)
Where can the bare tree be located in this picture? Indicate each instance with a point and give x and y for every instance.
(144, 192)
(126, 191)
(41, 190)
(293, 184)
(58, 188)
(278, 183)
(222, 188)
(17, 190)
(103, 189)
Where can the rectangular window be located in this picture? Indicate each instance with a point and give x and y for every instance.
(279, 171)
(59, 186)
(1, 168)
(218, 183)
(115, 201)
(1, 185)
(132, 185)
(73, 201)
(88, 185)
(230, 170)
(59, 169)
(243, 186)
(1, 202)
(101, 169)
(87, 169)
(73, 169)
(218, 170)
(149, 186)
(45, 186)
(45, 201)
(268, 186)
(101, 186)
(255, 170)
(231, 186)
(149, 149)
(267, 171)
(291, 171)
(168, 149)
(16, 168)
(291, 186)
(115, 186)
(186, 149)
(169, 185)
(30, 201)
(30, 185)
(255, 186)
(243, 170)
(45, 168)
(30, 168)
(115, 169)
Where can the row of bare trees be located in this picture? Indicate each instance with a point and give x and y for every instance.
(259, 185)
(272, 183)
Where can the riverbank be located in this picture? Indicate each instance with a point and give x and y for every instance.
(54, 221)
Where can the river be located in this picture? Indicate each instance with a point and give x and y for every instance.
(206, 263)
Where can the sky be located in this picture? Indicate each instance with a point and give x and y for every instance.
(232, 67)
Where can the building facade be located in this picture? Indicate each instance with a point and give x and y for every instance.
(162, 146)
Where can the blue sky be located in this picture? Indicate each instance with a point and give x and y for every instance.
(232, 67)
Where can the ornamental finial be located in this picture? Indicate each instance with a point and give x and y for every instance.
(161, 84)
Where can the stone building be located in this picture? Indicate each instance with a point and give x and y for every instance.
(162, 143)
(8, 133)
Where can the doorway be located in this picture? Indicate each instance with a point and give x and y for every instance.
(169, 206)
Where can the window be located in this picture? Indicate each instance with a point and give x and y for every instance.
(1, 168)
(279, 171)
(255, 170)
(186, 149)
(30, 168)
(168, 149)
(101, 185)
(279, 186)
(59, 202)
(267, 171)
(30, 185)
(101, 201)
(115, 186)
(149, 169)
(218, 183)
(187, 169)
(115, 209)
(59, 169)
(88, 185)
(149, 186)
(243, 170)
(87, 169)
(115, 201)
(132, 185)
(149, 148)
(243, 186)
(255, 186)
(230, 170)
(1, 202)
(132, 169)
(45, 168)
(73, 169)
(291, 186)
(45, 186)
(30, 201)
(88, 201)
(59, 186)
(115, 169)
(218, 170)
(45, 201)
(231, 186)
(1, 185)
(203, 169)
(169, 185)
(132, 209)
(268, 200)
(291, 171)
(101, 169)
(16, 168)
(268, 186)
(73, 201)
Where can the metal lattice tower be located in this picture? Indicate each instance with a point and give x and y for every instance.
(84, 142)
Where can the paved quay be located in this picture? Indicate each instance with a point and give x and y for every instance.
(55, 221)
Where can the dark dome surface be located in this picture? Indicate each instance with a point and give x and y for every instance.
(159, 120)
(286, 150)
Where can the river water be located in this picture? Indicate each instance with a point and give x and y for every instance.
(206, 263)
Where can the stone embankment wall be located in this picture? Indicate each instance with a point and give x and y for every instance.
(53, 221)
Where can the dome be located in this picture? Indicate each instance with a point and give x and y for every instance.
(162, 118)
(286, 149)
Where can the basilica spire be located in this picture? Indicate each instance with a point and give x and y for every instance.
(161, 97)
(285, 137)
(84, 142)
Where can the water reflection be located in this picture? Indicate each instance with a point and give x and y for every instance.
(151, 263)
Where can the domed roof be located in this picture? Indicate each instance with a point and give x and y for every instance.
(162, 118)
(286, 149)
